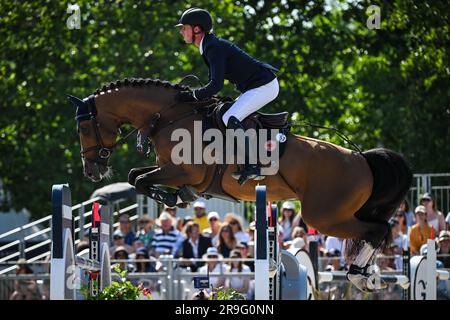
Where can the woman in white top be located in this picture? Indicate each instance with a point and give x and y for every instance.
(239, 283)
(213, 265)
(434, 217)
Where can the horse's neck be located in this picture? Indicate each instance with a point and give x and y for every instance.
(134, 105)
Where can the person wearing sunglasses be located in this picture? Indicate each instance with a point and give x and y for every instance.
(434, 216)
(227, 241)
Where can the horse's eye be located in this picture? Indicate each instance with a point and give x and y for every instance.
(84, 130)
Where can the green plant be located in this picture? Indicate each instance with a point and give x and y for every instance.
(119, 290)
(221, 293)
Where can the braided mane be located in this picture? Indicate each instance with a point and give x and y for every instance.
(139, 82)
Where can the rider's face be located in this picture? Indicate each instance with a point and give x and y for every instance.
(186, 32)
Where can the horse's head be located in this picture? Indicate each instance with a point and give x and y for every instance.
(98, 133)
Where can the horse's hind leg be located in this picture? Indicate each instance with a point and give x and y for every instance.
(372, 234)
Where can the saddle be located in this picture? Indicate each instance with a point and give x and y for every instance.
(257, 121)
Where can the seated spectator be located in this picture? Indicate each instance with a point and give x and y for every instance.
(399, 239)
(177, 221)
(183, 222)
(195, 245)
(121, 253)
(25, 289)
(227, 241)
(119, 241)
(144, 266)
(240, 284)
(333, 244)
(403, 212)
(200, 215)
(251, 230)
(421, 231)
(146, 232)
(444, 248)
(166, 240)
(236, 225)
(334, 263)
(244, 249)
(384, 262)
(126, 228)
(214, 226)
(299, 232)
(434, 217)
(212, 258)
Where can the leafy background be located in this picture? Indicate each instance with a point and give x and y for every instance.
(382, 87)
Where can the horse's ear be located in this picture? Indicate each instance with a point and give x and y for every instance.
(77, 102)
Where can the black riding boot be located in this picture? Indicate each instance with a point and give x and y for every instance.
(250, 171)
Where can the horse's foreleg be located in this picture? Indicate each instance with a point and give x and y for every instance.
(168, 175)
(135, 172)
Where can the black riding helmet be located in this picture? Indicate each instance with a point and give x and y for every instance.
(197, 17)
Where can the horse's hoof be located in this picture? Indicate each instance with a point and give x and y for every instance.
(368, 284)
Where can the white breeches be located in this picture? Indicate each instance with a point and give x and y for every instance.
(252, 100)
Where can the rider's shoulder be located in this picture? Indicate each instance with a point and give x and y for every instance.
(212, 41)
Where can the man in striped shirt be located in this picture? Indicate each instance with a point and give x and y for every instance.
(167, 239)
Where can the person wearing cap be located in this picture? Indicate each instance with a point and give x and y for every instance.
(121, 253)
(146, 232)
(444, 248)
(434, 216)
(167, 239)
(288, 220)
(236, 225)
(244, 249)
(200, 215)
(214, 226)
(212, 258)
(119, 241)
(195, 245)
(255, 80)
(421, 231)
(239, 284)
(126, 228)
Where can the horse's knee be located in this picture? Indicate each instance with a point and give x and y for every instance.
(132, 175)
(139, 184)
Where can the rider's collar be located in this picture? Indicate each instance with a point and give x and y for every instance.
(200, 47)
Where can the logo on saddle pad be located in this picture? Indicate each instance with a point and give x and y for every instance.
(213, 147)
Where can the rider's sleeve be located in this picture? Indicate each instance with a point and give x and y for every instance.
(216, 58)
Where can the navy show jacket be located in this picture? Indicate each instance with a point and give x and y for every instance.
(227, 61)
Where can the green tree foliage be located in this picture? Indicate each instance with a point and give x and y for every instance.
(381, 87)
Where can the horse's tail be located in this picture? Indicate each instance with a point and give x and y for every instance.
(392, 178)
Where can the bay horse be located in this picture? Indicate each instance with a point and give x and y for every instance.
(344, 193)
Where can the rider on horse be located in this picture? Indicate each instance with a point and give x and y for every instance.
(255, 80)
